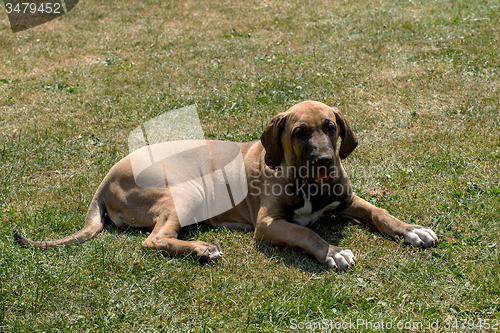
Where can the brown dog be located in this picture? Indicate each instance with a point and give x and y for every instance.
(294, 175)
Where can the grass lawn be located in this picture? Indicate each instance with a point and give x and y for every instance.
(419, 82)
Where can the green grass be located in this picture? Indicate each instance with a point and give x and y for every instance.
(419, 82)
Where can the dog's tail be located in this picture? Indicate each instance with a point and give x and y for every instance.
(94, 222)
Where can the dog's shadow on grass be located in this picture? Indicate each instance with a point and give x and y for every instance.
(112, 229)
(331, 229)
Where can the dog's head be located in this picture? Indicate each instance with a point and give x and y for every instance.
(306, 137)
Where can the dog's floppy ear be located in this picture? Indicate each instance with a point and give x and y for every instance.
(349, 140)
(271, 141)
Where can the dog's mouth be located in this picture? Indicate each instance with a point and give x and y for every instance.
(315, 174)
(319, 176)
(323, 176)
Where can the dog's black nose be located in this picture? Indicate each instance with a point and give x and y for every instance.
(323, 160)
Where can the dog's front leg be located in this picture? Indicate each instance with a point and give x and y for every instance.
(379, 219)
(279, 232)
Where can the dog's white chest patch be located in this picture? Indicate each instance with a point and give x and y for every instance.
(306, 209)
(304, 215)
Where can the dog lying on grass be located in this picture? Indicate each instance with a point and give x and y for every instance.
(293, 176)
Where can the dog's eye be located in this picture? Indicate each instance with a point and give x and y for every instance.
(299, 132)
(330, 127)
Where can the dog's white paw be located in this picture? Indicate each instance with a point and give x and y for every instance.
(206, 251)
(339, 258)
(420, 237)
(216, 254)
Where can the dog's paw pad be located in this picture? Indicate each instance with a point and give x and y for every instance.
(421, 237)
(341, 259)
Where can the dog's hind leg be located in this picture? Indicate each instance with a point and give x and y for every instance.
(164, 238)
